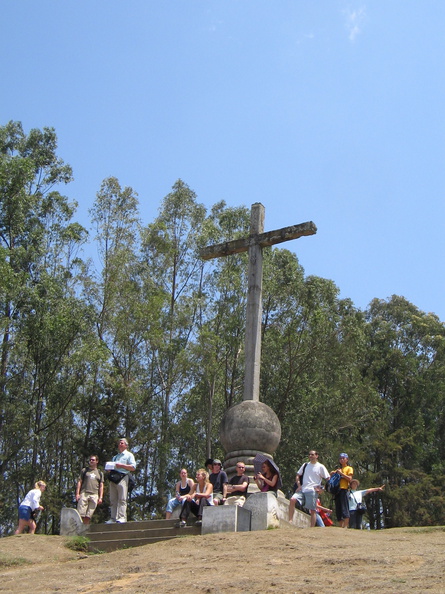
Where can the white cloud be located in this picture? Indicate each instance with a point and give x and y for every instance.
(354, 19)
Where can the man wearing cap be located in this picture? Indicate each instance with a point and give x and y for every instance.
(341, 498)
(124, 463)
(219, 480)
(237, 487)
(308, 480)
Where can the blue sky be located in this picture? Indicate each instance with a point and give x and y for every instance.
(324, 110)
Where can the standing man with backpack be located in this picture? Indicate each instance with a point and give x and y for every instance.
(308, 480)
(341, 498)
(90, 489)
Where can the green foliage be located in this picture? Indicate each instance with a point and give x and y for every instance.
(151, 346)
(78, 543)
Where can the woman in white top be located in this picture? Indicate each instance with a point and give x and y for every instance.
(200, 495)
(29, 505)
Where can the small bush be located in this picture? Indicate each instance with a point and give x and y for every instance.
(78, 543)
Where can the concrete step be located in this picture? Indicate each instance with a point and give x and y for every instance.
(110, 537)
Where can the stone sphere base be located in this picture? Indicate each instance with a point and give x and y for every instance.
(246, 429)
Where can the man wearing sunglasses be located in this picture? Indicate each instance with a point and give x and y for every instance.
(89, 490)
(237, 486)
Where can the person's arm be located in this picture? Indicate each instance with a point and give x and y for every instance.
(78, 487)
(243, 487)
(348, 477)
(298, 482)
(374, 490)
(209, 490)
(326, 510)
(131, 467)
(271, 482)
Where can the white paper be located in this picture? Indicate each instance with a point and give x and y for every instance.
(110, 465)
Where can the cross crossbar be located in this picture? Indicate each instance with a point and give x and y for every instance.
(262, 239)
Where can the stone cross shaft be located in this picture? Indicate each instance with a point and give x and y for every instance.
(254, 244)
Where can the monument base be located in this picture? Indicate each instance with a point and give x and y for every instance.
(225, 518)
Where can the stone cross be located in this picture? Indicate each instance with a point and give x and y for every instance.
(254, 244)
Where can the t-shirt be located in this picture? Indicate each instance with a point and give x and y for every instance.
(91, 480)
(218, 479)
(356, 497)
(238, 480)
(312, 476)
(348, 470)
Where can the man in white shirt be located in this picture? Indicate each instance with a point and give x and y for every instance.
(308, 480)
(124, 464)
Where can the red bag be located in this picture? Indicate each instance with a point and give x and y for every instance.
(326, 519)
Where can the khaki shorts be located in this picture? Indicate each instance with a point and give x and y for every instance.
(87, 504)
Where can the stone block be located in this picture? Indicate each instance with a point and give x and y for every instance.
(71, 523)
(265, 511)
(225, 518)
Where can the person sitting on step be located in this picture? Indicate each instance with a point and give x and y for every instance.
(182, 487)
(200, 495)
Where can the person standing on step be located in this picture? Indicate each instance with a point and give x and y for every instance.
(89, 490)
(308, 479)
(124, 463)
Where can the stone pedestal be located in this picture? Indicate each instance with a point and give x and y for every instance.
(264, 509)
(225, 518)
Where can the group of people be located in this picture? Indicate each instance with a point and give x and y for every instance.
(89, 490)
(348, 499)
(212, 487)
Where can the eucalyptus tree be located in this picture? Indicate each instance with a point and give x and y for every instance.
(41, 318)
(405, 361)
(310, 362)
(174, 272)
(122, 317)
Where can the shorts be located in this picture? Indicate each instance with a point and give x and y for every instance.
(310, 500)
(87, 504)
(25, 513)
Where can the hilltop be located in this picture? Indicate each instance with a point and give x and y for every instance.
(286, 560)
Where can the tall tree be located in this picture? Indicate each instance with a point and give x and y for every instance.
(41, 317)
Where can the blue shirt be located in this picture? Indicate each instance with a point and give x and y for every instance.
(125, 457)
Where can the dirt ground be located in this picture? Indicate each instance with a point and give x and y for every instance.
(285, 560)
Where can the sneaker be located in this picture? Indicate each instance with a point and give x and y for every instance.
(198, 522)
(182, 524)
(121, 521)
(110, 522)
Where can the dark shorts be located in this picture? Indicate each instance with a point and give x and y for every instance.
(342, 505)
(25, 513)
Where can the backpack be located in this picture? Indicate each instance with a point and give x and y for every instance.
(332, 485)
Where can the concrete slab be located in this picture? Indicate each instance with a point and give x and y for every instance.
(225, 518)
